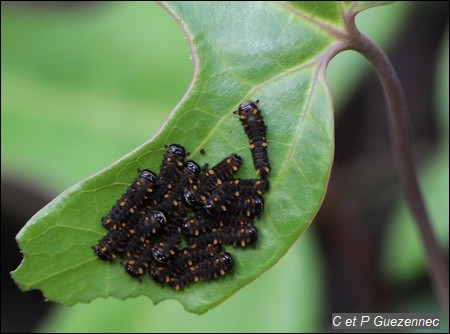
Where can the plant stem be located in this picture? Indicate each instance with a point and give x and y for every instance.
(402, 150)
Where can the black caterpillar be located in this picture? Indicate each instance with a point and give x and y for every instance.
(170, 171)
(214, 177)
(254, 127)
(243, 236)
(167, 245)
(200, 224)
(216, 266)
(173, 200)
(187, 257)
(150, 223)
(136, 194)
(222, 197)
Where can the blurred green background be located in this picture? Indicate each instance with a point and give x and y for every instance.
(85, 83)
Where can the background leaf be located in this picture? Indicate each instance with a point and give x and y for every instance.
(74, 94)
(219, 88)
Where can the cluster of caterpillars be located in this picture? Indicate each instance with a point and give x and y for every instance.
(173, 225)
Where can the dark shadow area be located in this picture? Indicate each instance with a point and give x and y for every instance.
(21, 312)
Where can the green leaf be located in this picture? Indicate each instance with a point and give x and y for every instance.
(268, 51)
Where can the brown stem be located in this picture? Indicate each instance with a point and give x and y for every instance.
(402, 150)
